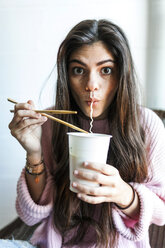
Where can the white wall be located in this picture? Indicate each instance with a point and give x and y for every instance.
(155, 81)
(31, 32)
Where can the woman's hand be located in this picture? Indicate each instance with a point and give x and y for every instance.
(26, 128)
(112, 187)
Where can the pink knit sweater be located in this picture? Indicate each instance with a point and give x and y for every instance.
(132, 233)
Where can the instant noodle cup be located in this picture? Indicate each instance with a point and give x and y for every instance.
(91, 147)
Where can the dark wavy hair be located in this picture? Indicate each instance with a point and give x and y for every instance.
(127, 151)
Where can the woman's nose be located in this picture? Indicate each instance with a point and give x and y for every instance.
(92, 82)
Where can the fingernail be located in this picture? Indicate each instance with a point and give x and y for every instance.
(30, 106)
(76, 172)
(79, 195)
(74, 184)
(44, 118)
(85, 164)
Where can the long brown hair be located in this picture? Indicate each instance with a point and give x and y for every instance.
(127, 150)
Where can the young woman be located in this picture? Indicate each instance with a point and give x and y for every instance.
(94, 57)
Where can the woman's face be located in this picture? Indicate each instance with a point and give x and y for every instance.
(92, 69)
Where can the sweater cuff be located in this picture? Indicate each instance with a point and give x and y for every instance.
(140, 228)
(30, 212)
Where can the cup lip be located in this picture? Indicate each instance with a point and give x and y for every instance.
(89, 135)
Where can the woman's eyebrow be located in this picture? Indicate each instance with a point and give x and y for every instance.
(99, 63)
(77, 61)
(106, 61)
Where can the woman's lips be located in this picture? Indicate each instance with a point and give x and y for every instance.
(95, 102)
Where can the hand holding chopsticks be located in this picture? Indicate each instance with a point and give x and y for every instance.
(44, 113)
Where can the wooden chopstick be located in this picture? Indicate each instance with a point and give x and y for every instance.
(51, 111)
(11, 100)
(64, 123)
(46, 111)
(55, 119)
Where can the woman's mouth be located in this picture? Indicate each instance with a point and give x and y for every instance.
(94, 101)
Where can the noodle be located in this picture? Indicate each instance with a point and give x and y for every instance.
(91, 112)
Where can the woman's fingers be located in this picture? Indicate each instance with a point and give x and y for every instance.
(21, 115)
(28, 124)
(112, 188)
(25, 119)
(105, 175)
(26, 106)
(105, 169)
(94, 191)
(91, 199)
(26, 127)
(101, 173)
(94, 176)
(23, 110)
(31, 103)
(18, 112)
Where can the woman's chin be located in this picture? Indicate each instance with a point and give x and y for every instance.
(94, 115)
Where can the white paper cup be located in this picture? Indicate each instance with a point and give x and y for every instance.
(91, 147)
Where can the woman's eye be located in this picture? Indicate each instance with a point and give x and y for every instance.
(106, 70)
(78, 71)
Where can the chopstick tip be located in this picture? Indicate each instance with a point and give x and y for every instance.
(11, 100)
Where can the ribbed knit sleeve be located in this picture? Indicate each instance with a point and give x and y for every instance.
(30, 212)
(152, 192)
